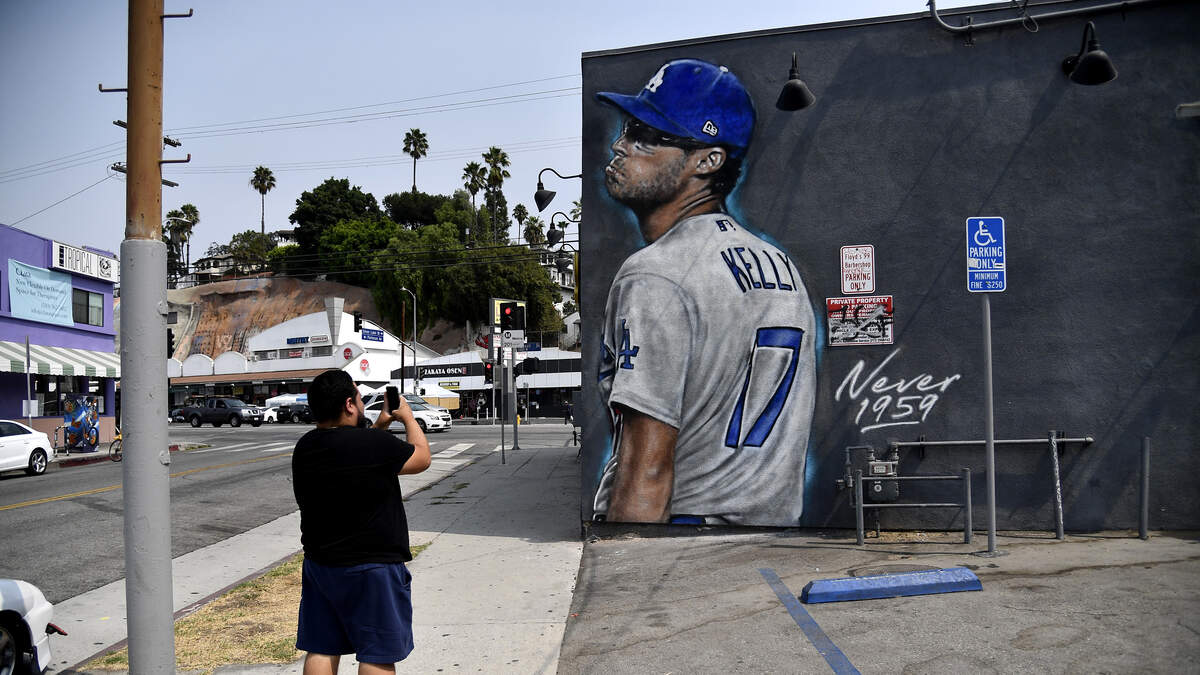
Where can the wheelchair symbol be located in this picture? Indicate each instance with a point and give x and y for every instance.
(982, 236)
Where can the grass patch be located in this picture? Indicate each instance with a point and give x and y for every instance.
(254, 622)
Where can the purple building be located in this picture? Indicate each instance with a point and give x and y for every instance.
(59, 297)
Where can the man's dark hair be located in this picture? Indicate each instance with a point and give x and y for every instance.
(327, 394)
(726, 178)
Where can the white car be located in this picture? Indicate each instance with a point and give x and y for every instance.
(23, 447)
(271, 415)
(427, 418)
(25, 628)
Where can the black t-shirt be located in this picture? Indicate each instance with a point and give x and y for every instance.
(351, 509)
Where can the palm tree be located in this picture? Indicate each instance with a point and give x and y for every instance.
(263, 181)
(576, 210)
(417, 145)
(533, 229)
(497, 161)
(192, 214)
(474, 178)
(520, 213)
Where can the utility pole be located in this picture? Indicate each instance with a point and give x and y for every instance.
(148, 593)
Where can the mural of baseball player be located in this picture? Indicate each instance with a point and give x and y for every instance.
(708, 365)
(81, 423)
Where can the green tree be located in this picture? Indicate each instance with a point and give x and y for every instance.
(323, 207)
(250, 249)
(356, 248)
(474, 179)
(280, 263)
(412, 210)
(177, 232)
(263, 181)
(534, 232)
(416, 145)
(576, 210)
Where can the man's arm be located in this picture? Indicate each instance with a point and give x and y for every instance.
(645, 474)
(420, 459)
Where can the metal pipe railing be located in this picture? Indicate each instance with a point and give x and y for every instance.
(860, 506)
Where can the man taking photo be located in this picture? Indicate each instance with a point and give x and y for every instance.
(356, 595)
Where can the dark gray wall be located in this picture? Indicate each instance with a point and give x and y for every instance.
(914, 130)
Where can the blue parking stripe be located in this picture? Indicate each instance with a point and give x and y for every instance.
(833, 656)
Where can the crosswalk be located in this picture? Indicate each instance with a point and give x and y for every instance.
(259, 447)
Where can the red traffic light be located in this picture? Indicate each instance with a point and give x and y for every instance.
(508, 310)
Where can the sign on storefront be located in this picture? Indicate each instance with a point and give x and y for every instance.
(78, 261)
(37, 294)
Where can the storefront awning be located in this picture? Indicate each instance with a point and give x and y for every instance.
(58, 361)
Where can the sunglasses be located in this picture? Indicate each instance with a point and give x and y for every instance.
(641, 133)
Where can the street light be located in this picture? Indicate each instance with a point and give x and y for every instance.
(414, 345)
(542, 197)
(553, 236)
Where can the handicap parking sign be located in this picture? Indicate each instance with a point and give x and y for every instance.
(985, 255)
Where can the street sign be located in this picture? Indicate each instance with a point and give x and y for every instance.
(513, 338)
(372, 334)
(533, 346)
(858, 269)
(985, 255)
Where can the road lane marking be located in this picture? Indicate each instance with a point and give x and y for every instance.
(456, 449)
(47, 500)
(825, 647)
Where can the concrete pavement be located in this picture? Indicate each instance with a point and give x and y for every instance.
(493, 587)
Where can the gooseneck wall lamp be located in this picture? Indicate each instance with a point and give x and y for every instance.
(543, 197)
(1091, 65)
(554, 236)
(795, 94)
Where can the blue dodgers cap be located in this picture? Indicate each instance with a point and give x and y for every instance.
(693, 99)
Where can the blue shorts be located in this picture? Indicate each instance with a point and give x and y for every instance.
(364, 610)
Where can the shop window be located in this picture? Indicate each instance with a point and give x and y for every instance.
(322, 351)
(264, 355)
(87, 307)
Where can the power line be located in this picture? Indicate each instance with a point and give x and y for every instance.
(376, 105)
(64, 199)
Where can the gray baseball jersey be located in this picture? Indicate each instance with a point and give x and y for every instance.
(710, 330)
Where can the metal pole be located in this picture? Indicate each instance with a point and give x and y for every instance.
(516, 444)
(28, 387)
(967, 524)
(858, 505)
(990, 431)
(1144, 524)
(1058, 509)
(146, 479)
(414, 341)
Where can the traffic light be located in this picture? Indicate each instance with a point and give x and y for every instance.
(508, 315)
(529, 365)
(170, 343)
(488, 369)
(358, 322)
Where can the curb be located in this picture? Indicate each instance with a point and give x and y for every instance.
(100, 456)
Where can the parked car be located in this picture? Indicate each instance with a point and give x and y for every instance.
(296, 412)
(25, 628)
(271, 415)
(23, 447)
(176, 415)
(427, 418)
(218, 411)
(413, 398)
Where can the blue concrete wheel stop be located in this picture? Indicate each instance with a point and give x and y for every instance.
(925, 582)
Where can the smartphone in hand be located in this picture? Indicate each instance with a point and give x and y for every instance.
(393, 399)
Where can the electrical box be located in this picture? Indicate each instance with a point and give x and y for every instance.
(881, 490)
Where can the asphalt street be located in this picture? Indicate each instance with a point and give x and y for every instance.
(63, 531)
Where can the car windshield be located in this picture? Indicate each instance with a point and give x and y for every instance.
(417, 406)
(234, 403)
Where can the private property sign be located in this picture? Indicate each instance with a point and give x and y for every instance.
(985, 255)
(858, 269)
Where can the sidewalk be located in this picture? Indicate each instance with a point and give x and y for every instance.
(491, 592)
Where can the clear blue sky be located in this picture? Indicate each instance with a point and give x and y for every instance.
(236, 63)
